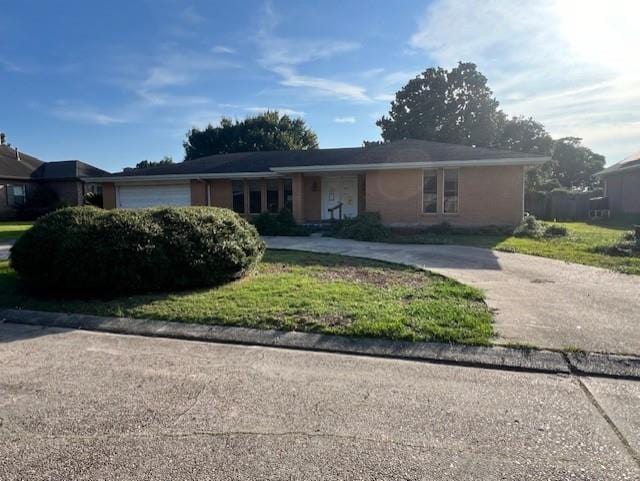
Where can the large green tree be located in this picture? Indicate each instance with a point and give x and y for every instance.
(266, 131)
(521, 134)
(457, 106)
(453, 106)
(574, 164)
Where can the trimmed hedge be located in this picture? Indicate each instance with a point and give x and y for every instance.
(82, 251)
(281, 223)
(365, 227)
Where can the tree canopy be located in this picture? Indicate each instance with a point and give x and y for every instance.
(266, 131)
(453, 106)
(145, 164)
(457, 106)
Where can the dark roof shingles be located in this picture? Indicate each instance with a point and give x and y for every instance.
(393, 152)
(29, 167)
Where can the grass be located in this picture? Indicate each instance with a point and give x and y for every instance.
(307, 292)
(579, 246)
(13, 230)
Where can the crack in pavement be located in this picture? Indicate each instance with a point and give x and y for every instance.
(612, 425)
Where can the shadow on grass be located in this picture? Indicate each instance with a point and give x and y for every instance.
(14, 294)
(619, 222)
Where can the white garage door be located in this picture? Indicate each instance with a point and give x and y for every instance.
(137, 197)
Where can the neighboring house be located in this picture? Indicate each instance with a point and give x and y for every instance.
(409, 182)
(622, 185)
(22, 174)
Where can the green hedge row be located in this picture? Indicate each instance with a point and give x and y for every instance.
(83, 251)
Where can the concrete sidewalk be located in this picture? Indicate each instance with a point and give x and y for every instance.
(5, 247)
(543, 302)
(83, 405)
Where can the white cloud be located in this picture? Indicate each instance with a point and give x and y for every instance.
(345, 120)
(568, 64)
(284, 56)
(384, 97)
(284, 111)
(322, 86)
(223, 49)
(84, 114)
(10, 67)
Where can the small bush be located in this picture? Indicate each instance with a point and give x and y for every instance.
(281, 223)
(627, 246)
(443, 228)
(365, 227)
(91, 198)
(555, 230)
(529, 227)
(83, 251)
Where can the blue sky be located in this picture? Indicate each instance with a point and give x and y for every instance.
(116, 82)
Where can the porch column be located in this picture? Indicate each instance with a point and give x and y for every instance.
(263, 195)
(108, 195)
(297, 187)
(280, 194)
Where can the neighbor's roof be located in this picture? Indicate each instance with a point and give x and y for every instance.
(628, 163)
(11, 167)
(28, 167)
(399, 154)
(67, 169)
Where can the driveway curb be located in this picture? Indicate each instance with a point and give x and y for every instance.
(476, 356)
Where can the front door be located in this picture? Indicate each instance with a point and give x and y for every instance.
(340, 189)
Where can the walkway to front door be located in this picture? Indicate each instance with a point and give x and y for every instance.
(337, 189)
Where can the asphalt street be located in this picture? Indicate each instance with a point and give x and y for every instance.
(86, 405)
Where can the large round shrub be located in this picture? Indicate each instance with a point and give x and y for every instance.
(89, 251)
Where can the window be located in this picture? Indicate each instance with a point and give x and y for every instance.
(255, 197)
(19, 194)
(237, 187)
(288, 194)
(450, 202)
(272, 195)
(430, 192)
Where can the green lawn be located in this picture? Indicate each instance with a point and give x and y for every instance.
(577, 247)
(13, 230)
(307, 292)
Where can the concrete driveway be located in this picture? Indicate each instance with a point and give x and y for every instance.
(87, 406)
(538, 301)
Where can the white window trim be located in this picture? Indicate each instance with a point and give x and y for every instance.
(422, 193)
(457, 212)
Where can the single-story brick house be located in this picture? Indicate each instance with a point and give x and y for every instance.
(622, 185)
(409, 182)
(22, 174)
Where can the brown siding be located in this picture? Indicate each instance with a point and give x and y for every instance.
(198, 192)
(5, 210)
(395, 194)
(109, 195)
(487, 195)
(221, 193)
(68, 191)
(312, 198)
(623, 191)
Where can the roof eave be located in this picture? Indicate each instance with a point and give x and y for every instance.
(180, 177)
(606, 172)
(416, 165)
